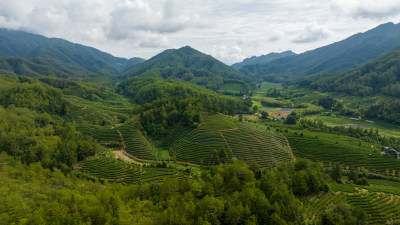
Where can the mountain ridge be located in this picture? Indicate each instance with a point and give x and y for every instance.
(339, 56)
(15, 43)
(188, 64)
(262, 59)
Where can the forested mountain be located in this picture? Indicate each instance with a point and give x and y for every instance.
(263, 59)
(62, 52)
(379, 76)
(188, 64)
(33, 67)
(335, 57)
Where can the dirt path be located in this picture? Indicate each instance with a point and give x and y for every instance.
(391, 199)
(121, 155)
(226, 142)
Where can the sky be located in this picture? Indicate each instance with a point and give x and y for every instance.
(229, 30)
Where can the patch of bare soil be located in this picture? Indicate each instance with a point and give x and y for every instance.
(121, 155)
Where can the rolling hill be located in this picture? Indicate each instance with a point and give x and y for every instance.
(379, 76)
(61, 52)
(378, 81)
(212, 143)
(332, 58)
(188, 64)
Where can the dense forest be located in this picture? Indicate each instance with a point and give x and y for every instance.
(166, 103)
(231, 194)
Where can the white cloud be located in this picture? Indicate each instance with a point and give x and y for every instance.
(367, 8)
(312, 33)
(230, 54)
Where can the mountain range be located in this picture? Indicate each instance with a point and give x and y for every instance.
(339, 56)
(379, 76)
(262, 59)
(61, 52)
(29, 54)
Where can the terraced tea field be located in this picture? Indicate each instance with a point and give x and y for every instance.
(103, 134)
(198, 145)
(336, 148)
(380, 208)
(256, 143)
(135, 143)
(214, 121)
(115, 170)
(247, 142)
(316, 205)
(95, 112)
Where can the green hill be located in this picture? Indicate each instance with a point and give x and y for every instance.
(188, 64)
(61, 52)
(212, 143)
(378, 78)
(335, 57)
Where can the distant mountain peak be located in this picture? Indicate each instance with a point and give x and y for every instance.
(15, 43)
(263, 59)
(339, 56)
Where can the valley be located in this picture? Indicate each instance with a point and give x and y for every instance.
(182, 138)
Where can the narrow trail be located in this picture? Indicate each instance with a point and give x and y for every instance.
(226, 142)
(290, 148)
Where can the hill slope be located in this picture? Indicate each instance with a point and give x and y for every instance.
(336, 57)
(377, 81)
(61, 52)
(262, 59)
(379, 76)
(188, 64)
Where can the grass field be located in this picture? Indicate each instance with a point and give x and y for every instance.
(231, 88)
(265, 86)
(384, 128)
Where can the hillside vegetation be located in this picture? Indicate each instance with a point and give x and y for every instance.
(188, 64)
(263, 59)
(378, 77)
(335, 57)
(61, 52)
